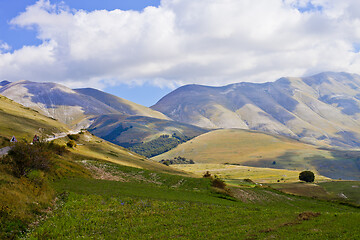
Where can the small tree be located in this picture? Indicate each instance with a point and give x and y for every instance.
(307, 176)
(207, 174)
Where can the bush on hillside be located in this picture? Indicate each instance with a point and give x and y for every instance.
(23, 158)
(307, 176)
(71, 144)
(74, 137)
(218, 183)
(207, 174)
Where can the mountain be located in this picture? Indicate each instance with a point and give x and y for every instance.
(22, 122)
(256, 149)
(73, 107)
(4, 83)
(322, 109)
(121, 105)
(55, 100)
(130, 131)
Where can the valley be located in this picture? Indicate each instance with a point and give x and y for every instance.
(102, 175)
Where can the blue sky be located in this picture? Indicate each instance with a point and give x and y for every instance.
(146, 94)
(142, 49)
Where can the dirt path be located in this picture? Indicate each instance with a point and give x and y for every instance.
(4, 151)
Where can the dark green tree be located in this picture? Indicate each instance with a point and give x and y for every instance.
(307, 176)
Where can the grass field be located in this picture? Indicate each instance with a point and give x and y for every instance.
(234, 173)
(346, 190)
(187, 208)
(255, 149)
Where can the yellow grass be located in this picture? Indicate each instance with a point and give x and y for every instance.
(92, 147)
(237, 146)
(23, 122)
(232, 172)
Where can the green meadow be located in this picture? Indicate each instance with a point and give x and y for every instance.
(163, 206)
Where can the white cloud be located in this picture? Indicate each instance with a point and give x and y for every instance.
(211, 42)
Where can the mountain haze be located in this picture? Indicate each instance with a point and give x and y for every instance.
(322, 109)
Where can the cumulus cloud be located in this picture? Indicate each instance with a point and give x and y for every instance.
(212, 42)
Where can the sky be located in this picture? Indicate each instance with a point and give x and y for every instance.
(143, 49)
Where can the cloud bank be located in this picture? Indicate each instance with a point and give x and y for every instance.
(213, 42)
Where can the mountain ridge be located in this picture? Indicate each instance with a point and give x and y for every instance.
(322, 109)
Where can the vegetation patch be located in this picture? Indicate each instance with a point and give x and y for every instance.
(159, 145)
(177, 160)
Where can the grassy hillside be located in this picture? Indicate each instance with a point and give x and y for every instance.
(144, 135)
(23, 122)
(249, 148)
(235, 174)
(187, 208)
(90, 147)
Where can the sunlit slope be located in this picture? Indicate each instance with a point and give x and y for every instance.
(235, 174)
(249, 148)
(323, 109)
(23, 122)
(91, 147)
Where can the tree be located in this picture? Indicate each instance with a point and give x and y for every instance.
(307, 176)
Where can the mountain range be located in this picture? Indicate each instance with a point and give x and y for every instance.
(115, 119)
(323, 109)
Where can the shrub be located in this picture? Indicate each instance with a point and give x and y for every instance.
(218, 183)
(307, 176)
(24, 157)
(207, 174)
(74, 137)
(71, 144)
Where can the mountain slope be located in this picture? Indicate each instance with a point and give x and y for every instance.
(323, 109)
(121, 105)
(55, 100)
(130, 131)
(255, 149)
(22, 122)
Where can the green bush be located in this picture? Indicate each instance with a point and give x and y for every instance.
(307, 176)
(24, 157)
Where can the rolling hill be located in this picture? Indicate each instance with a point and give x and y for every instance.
(256, 149)
(22, 122)
(323, 109)
(130, 131)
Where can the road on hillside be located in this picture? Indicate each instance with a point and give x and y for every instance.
(4, 151)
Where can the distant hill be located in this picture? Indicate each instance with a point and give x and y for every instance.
(129, 131)
(256, 149)
(322, 109)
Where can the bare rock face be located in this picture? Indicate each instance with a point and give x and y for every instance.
(323, 109)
